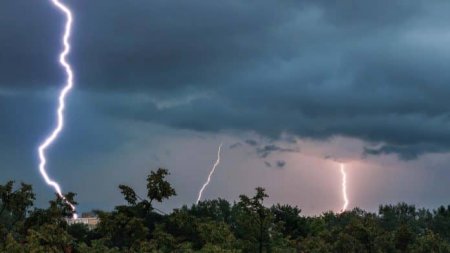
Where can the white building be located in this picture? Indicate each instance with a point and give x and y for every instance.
(91, 222)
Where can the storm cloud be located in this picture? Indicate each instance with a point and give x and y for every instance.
(280, 164)
(266, 150)
(371, 70)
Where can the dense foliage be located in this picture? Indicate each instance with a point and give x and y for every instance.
(215, 226)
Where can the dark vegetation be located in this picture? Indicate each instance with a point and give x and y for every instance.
(215, 226)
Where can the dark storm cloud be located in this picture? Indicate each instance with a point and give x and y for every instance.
(28, 44)
(268, 164)
(252, 143)
(235, 145)
(265, 151)
(373, 70)
(280, 164)
(404, 152)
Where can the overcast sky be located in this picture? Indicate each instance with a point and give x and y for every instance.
(289, 87)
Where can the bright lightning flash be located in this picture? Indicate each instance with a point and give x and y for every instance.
(344, 188)
(62, 97)
(210, 174)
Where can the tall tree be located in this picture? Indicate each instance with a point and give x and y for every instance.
(254, 221)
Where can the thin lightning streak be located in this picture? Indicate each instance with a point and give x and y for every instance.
(344, 188)
(210, 174)
(62, 97)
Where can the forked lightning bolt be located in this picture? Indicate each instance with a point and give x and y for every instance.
(210, 174)
(344, 188)
(62, 98)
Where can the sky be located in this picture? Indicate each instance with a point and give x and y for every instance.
(290, 87)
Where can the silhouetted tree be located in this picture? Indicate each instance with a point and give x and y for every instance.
(215, 226)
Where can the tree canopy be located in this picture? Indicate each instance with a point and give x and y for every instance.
(247, 225)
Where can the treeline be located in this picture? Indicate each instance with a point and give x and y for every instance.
(215, 226)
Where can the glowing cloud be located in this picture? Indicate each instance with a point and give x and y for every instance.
(62, 98)
(210, 174)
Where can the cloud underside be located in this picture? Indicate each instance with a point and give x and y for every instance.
(372, 70)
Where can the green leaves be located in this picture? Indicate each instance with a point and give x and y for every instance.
(16, 202)
(14, 205)
(129, 194)
(158, 188)
(215, 226)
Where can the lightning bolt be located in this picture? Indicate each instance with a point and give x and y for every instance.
(344, 188)
(62, 98)
(210, 174)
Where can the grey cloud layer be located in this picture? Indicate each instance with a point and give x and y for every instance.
(373, 70)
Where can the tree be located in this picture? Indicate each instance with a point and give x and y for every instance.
(163, 241)
(122, 230)
(56, 214)
(97, 246)
(403, 238)
(11, 245)
(6, 196)
(215, 226)
(129, 194)
(217, 210)
(80, 232)
(394, 215)
(430, 243)
(14, 205)
(293, 225)
(346, 243)
(254, 222)
(157, 186)
(128, 226)
(441, 222)
(49, 238)
(314, 244)
(216, 233)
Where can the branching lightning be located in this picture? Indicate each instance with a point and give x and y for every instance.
(62, 98)
(210, 174)
(344, 187)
